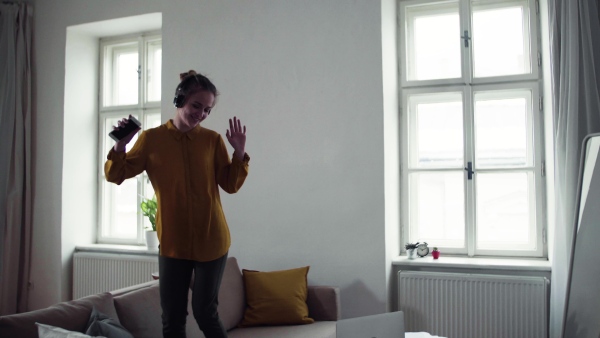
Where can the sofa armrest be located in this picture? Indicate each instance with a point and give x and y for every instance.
(324, 303)
(72, 315)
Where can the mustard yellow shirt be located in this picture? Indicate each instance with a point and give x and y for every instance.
(186, 170)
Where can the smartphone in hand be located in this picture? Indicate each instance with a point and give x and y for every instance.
(120, 132)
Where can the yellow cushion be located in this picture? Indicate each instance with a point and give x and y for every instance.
(276, 297)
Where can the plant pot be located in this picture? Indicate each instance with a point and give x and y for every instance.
(435, 254)
(152, 240)
(411, 253)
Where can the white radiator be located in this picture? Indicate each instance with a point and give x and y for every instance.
(474, 306)
(95, 272)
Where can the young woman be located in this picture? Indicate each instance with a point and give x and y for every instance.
(186, 164)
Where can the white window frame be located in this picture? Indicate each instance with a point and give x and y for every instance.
(144, 110)
(468, 85)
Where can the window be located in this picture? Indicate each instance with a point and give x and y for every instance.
(130, 69)
(471, 137)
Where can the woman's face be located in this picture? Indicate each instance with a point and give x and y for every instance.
(197, 107)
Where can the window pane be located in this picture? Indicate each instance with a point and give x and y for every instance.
(505, 211)
(154, 70)
(152, 121)
(433, 45)
(501, 51)
(437, 208)
(436, 130)
(120, 210)
(126, 74)
(121, 74)
(503, 136)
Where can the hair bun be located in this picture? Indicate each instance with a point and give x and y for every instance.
(186, 74)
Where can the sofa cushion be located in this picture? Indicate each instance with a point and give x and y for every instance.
(323, 303)
(49, 331)
(231, 304)
(72, 316)
(140, 313)
(102, 325)
(232, 300)
(276, 297)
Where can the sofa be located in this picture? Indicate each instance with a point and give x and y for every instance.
(137, 309)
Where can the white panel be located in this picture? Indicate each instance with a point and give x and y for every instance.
(466, 305)
(102, 272)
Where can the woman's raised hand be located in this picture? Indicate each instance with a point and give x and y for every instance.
(237, 137)
(120, 145)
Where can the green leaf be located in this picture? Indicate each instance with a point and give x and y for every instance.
(149, 208)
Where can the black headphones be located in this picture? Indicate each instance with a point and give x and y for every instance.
(178, 100)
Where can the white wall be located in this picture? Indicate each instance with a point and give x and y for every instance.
(559, 277)
(306, 79)
(392, 142)
(79, 160)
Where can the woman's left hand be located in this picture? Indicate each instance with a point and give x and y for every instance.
(237, 137)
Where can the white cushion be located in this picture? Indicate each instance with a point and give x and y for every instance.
(49, 331)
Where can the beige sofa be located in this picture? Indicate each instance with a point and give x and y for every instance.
(137, 308)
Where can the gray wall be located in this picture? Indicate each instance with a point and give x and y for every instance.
(306, 79)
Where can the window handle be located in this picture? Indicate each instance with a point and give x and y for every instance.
(466, 37)
(469, 170)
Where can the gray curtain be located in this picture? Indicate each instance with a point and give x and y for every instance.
(15, 155)
(575, 63)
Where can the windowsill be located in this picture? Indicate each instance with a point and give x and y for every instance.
(479, 263)
(117, 249)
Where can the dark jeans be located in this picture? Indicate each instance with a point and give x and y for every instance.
(174, 276)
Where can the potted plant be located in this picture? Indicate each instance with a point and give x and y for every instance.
(149, 207)
(411, 250)
(435, 253)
